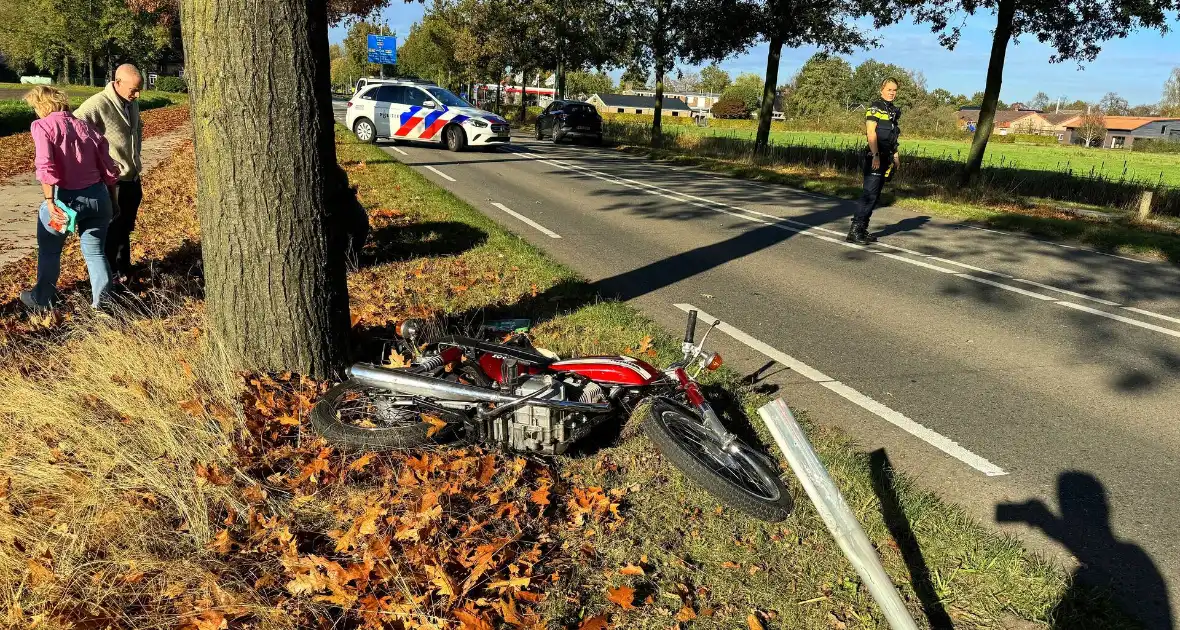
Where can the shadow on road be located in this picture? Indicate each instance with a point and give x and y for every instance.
(1106, 563)
(905, 225)
(881, 470)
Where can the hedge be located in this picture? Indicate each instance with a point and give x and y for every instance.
(1152, 145)
(175, 85)
(16, 116)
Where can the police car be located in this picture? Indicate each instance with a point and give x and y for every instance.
(421, 111)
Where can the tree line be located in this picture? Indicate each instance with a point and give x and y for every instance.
(85, 39)
(465, 41)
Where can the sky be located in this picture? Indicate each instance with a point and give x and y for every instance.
(1135, 67)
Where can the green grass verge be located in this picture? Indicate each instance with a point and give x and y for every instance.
(1119, 234)
(726, 566)
(16, 116)
(1111, 163)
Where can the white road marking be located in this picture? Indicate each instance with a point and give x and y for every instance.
(1001, 285)
(1151, 314)
(540, 228)
(917, 262)
(440, 173)
(897, 419)
(1067, 292)
(402, 152)
(1125, 320)
(811, 230)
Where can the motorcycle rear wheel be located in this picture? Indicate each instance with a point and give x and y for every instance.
(738, 477)
(354, 415)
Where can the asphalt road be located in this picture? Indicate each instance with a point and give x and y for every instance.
(998, 369)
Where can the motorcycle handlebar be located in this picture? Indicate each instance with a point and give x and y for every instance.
(691, 332)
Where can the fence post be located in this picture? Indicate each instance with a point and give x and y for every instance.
(835, 512)
(1145, 205)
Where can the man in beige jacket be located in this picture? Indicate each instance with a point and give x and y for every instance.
(115, 113)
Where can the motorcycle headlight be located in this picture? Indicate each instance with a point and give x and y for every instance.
(478, 123)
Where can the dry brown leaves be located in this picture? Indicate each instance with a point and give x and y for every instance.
(16, 155)
(456, 538)
(16, 150)
(165, 249)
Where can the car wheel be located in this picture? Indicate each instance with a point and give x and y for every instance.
(456, 138)
(364, 130)
(556, 136)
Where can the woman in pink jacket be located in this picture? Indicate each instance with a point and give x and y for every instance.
(74, 167)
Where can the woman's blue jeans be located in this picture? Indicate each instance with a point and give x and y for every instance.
(94, 208)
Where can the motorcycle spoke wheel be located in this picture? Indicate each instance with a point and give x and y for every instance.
(731, 471)
(352, 414)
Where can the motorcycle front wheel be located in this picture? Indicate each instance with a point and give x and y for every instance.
(734, 473)
(354, 415)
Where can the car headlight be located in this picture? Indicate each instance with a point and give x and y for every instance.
(478, 123)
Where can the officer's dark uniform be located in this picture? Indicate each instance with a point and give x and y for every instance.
(887, 115)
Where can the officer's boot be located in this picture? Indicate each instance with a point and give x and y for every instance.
(859, 233)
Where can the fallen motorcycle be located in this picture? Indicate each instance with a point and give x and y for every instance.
(511, 394)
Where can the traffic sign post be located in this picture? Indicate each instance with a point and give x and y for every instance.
(382, 50)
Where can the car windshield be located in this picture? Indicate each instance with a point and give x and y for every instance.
(446, 98)
(577, 108)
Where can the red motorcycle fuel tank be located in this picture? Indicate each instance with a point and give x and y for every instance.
(610, 370)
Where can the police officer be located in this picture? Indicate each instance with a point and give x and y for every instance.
(882, 159)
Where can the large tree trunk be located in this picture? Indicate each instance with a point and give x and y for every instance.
(500, 93)
(659, 50)
(769, 91)
(270, 196)
(90, 62)
(991, 91)
(524, 85)
(657, 129)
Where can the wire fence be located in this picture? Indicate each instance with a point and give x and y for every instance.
(940, 168)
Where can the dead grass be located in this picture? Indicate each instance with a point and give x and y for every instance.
(99, 457)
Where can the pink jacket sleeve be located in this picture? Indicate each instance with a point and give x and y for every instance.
(47, 170)
(106, 165)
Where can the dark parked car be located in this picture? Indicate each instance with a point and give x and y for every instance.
(570, 119)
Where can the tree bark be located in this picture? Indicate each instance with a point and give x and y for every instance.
(766, 112)
(659, 51)
(269, 193)
(991, 91)
(524, 84)
(90, 62)
(500, 93)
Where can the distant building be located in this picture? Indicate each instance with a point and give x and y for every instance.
(637, 104)
(1122, 131)
(698, 102)
(1007, 121)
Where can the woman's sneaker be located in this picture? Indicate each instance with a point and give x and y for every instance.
(26, 298)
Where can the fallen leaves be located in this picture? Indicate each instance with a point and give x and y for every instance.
(624, 596)
(597, 622)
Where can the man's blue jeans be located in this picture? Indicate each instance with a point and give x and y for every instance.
(94, 209)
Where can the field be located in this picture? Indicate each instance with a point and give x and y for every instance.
(1114, 164)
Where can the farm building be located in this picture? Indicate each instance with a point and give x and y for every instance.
(1121, 131)
(1008, 121)
(634, 104)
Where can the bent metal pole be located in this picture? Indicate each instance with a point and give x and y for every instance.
(835, 511)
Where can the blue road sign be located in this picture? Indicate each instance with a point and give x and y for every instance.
(382, 49)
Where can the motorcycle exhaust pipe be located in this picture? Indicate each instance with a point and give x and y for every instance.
(403, 382)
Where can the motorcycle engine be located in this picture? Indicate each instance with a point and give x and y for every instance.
(540, 430)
